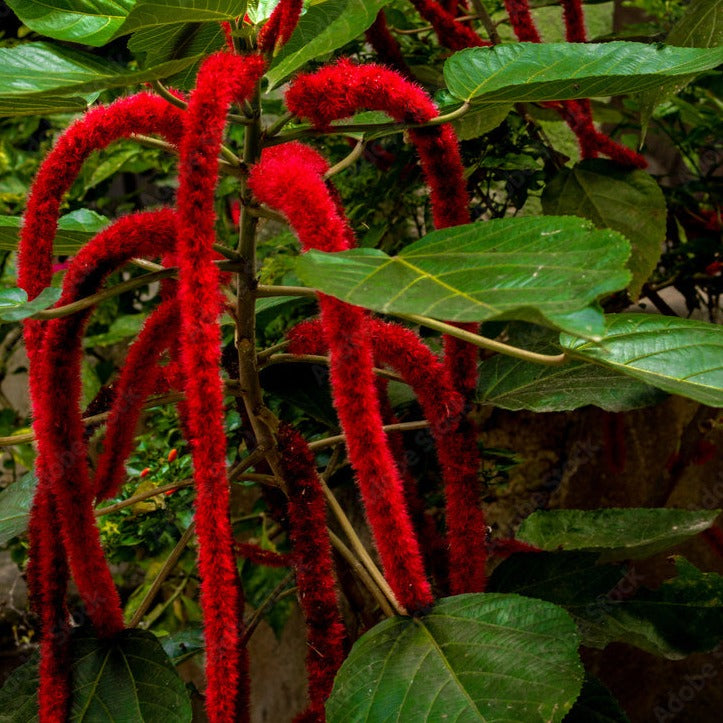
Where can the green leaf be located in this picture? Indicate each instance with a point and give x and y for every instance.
(74, 230)
(556, 71)
(700, 27)
(324, 27)
(122, 328)
(154, 13)
(36, 69)
(473, 657)
(618, 533)
(91, 22)
(44, 105)
(516, 384)
(169, 42)
(121, 680)
(680, 356)
(536, 268)
(682, 616)
(480, 120)
(630, 202)
(184, 644)
(15, 503)
(14, 304)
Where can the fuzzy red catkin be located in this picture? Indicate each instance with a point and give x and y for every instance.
(138, 380)
(59, 429)
(142, 113)
(574, 21)
(314, 567)
(451, 34)
(401, 349)
(385, 45)
(289, 178)
(522, 21)
(280, 26)
(222, 79)
(259, 556)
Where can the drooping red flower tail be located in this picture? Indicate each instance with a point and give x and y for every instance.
(401, 349)
(289, 178)
(142, 113)
(260, 556)
(386, 46)
(228, 35)
(522, 21)
(574, 21)
(222, 79)
(280, 26)
(139, 378)
(314, 567)
(451, 34)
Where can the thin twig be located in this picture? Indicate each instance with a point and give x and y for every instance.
(341, 438)
(163, 573)
(485, 343)
(317, 359)
(263, 291)
(277, 125)
(487, 22)
(257, 614)
(347, 160)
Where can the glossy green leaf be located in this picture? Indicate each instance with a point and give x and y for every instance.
(618, 533)
(74, 230)
(14, 304)
(155, 13)
(472, 658)
(127, 678)
(556, 71)
(36, 69)
(91, 22)
(42, 105)
(680, 356)
(517, 384)
(324, 27)
(535, 268)
(701, 26)
(15, 503)
(153, 46)
(630, 202)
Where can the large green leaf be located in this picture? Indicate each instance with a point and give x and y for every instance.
(535, 268)
(516, 384)
(472, 658)
(612, 197)
(127, 679)
(37, 69)
(154, 13)
(91, 22)
(74, 230)
(15, 503)
(700, 27)
(617, 533)
(168, 42)
(680, 356)
(43, 105)
(556, 71)
(324, 27)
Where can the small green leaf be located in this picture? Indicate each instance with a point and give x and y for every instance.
(37, 69)
(155, 13)
(516, 384)
(617, 533)
(630, 202)
(183, 644)
(74, 230)
(14, 304)
(473, 657)
(480, 120)
(680, 356)
(324, 27)
(122, 328)
(91, 22)
(556, 71)
(535, 268)
(15, 503)
(119, 680)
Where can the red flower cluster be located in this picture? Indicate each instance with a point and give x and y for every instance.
(280, 25)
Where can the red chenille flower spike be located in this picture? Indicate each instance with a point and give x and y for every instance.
(280, 26)
(574, 21)
(451, 34)
(314, 565)
(522, 22)
(222, 79)
(289, 178)
(386, 46)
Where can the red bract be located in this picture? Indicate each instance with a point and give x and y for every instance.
(222, 79)
(289, 178)
(314, 568)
